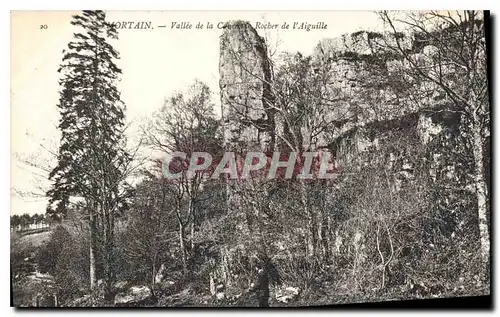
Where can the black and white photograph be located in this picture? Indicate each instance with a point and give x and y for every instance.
(264, 159)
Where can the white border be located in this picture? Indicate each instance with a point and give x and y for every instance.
(186, 5)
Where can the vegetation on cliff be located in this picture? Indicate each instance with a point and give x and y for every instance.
(407, 119)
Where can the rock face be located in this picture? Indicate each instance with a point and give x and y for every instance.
(362, 42)
(245, 79)
(383, 124)
(246, 101)
(355, 59)
(363, 65)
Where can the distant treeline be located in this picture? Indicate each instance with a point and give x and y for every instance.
(27, 221)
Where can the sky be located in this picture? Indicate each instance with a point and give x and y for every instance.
(155, 63)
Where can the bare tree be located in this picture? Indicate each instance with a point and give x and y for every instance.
(296, 105)
(186, 124)
(448, 57)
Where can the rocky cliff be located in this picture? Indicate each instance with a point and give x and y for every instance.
(402, 155)
(360, 65)
(245, 79)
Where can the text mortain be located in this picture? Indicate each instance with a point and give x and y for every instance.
(137, 25)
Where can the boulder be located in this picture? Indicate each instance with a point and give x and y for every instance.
(160, 274)
(80, 302)
(166, 287)
(287, 294)
(212, 284)
(135, 296)
(44, 277)
(120, 286)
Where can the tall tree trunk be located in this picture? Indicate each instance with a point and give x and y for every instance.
(182, 246)
(108, 257)
(481, 191)
(325, 236)
(106, 267)
(153, 276)
(93, 245)
(311, 232)
(192, 225)
(212, 284)
(191, 237)
(225, 267)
